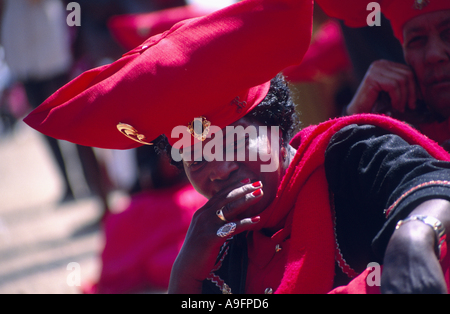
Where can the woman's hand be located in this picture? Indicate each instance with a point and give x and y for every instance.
(395, 79)
(202, 244)
(410, 262)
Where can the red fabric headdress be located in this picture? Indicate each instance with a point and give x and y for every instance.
(217, 66)
(398, 12)
(130, 30)
(354, 12)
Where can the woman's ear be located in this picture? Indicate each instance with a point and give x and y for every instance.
(283, 149)
(283, 153)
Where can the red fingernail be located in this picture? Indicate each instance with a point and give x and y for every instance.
(258, 192)
(246, 181)
(256, 219)
(257, 184)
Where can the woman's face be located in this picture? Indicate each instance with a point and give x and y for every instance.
(211, 177)
(427, 51)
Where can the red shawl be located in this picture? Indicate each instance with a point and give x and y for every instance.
(439, 132)
(311, 260)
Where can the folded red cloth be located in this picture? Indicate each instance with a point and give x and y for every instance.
(143, 241)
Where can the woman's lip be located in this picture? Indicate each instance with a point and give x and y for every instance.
(437, 80)
(441, 84)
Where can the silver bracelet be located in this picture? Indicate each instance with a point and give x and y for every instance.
(434, 223)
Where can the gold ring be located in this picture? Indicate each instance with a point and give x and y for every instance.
(219, 214)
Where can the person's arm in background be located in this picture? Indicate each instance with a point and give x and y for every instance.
(395, 79)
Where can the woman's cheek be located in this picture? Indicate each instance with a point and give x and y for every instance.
(253, 149)
(267, 156)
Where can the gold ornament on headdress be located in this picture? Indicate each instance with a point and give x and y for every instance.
(132, 133)
(420, 4)
(205, 128)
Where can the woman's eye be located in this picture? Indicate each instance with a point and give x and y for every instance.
(416, 41)
(195, 165)
(446, 35)
(240, 143)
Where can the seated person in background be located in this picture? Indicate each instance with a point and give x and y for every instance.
(419, 92)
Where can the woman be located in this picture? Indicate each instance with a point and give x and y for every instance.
(415, 92)
(267, 231)
(366, 168)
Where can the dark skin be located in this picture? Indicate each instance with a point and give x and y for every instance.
(427, 51)
(410, 264)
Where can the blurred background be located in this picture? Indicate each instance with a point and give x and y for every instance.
(111, 211)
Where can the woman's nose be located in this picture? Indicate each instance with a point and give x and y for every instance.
(436, 51)
(221, 170)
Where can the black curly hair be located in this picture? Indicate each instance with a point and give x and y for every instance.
(276, 109)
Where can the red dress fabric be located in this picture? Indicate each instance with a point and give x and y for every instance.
(437, 131)
(143, 241)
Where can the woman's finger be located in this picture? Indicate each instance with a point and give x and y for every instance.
(394, 84)
(233, 228)
(408, 78)
(241, 199)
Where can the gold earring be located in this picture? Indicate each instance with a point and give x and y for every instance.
(283, 150)
(283, 153)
